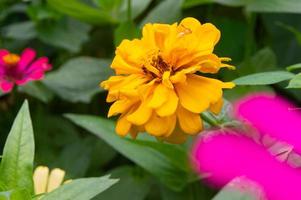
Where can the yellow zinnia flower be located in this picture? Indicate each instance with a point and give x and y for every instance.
(45, 182)
(160, 85)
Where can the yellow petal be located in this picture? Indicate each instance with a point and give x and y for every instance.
(166, 81)
(228, 85)
(120, 106)
(189, 23)
(141, 114)
(40, 179)
(199, 92)
(159, 96)
(123, 126)
(123, 67)
(180, 76)
(217, 107)
(129, 57)
(56, 178)
(170, 106)
(190, 123)
(160, 126)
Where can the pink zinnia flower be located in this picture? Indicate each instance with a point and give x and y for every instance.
(15, 69)
(224, 156)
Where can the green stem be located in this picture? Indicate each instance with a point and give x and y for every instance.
(129, 10)
(250, 40)
(210, 119)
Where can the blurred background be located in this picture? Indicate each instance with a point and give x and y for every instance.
(80, 37)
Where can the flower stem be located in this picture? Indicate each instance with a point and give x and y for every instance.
(210, 119)
(129, 13)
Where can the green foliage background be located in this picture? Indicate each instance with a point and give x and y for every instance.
(79, 37)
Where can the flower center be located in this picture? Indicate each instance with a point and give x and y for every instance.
(156, 67)
(11, 59)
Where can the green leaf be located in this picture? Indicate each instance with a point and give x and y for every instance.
(163, 13)
(167, 162)
(240, 189)
(119, 8)
(295, 82)
(78, 79)
(17, 194)
(39, 12)
(263, 59)
(18, 155)
(293, 67)
(81, 189)
(69, 35)
(126, 30)
(81, 11)
(134, 184)
(137, 7)
(192, 3)
(38, 90)
(288, 6)
(264, 78)
(20, 31)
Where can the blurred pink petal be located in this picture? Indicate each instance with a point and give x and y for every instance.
(227, 156)
(27, 57)
(6, 86)
(273, 116)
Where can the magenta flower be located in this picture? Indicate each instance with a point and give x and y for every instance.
(15, 69)
(226, 156)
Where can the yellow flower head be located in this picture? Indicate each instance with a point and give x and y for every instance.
(160, 85)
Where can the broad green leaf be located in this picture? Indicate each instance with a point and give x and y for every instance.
(133, 184)
(108, 5)
(263, 59)
(20, 31)
(163, 13)
(17, 194)
(288, 6)
(295, 82)
(39, 12)
(192, 3)
(137, 7)
(81, 189)
(169, 163)
(240, 189)
(18, 154)
(69, 35)
(37, 90)
(264, 78)
(293, 67)
(81, 11)
(78, 79)
(125, 30)
(119, 8)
